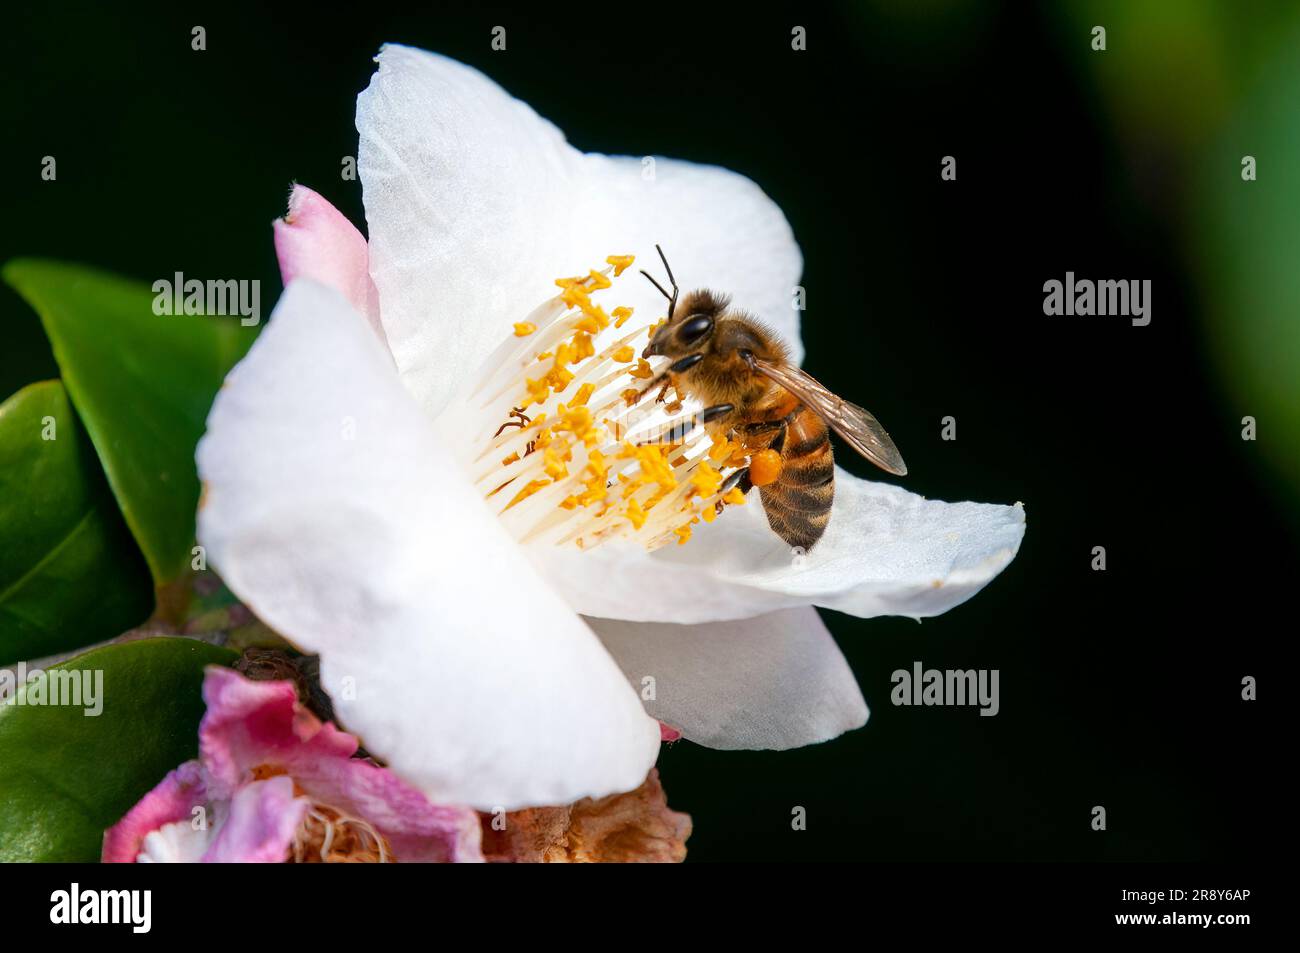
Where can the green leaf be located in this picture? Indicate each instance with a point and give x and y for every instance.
(142, 383)
(67, 775)
(70, 573)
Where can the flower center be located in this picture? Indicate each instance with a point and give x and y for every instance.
(329, 836)
(581, 443)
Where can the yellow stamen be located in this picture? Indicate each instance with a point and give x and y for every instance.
(538, 391)
(620, 262)
(556, 456)
(578, 421)
(705, 480)
(582, 347)
(532, 487)
(575, 296)
(572, 460)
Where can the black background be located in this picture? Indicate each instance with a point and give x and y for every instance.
(1118, 688)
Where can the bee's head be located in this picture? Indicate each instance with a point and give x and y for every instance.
(689, 328)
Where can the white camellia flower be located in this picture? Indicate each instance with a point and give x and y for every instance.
(495, 613)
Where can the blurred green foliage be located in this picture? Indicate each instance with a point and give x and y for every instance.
(1203, 85)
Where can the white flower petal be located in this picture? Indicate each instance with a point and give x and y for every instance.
(336, 515)
(718, 229)
(176, 843)
(475, 205)
(885, 552)
(775, 681)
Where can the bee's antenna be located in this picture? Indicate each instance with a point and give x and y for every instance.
(672, 298)
(650, 278)
(667, 267)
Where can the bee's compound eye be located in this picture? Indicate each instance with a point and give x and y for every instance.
(696, 327)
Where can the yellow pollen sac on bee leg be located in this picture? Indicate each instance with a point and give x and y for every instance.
(620, 262)
(764, 467)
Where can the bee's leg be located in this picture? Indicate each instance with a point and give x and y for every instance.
(666, 379)
(737, 481)
(662, 381)
(754, 436)
(679, 430)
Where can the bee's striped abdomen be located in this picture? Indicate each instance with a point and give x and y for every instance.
(798, 504)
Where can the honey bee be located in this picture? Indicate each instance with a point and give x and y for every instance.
(752, 394)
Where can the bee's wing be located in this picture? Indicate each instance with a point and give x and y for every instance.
(858, 428)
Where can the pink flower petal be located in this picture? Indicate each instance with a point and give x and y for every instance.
(251, 724)
(254, 723)
(263, 818)
(668, 733)
(171, 800)
(315, 240)
(418, 831)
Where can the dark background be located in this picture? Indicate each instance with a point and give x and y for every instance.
(1118, 688)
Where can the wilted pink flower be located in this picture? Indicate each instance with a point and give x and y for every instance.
(272, 783)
